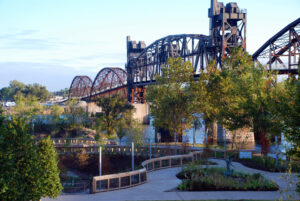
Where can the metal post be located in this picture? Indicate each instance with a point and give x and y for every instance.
(150, 149)
(175, 144)
(194, 130)
(276, 152)
(225, 142)
(132, 156)
(100, 160)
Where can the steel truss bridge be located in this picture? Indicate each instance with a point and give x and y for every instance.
(280, 53)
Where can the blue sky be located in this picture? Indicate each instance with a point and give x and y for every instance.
(51, 41)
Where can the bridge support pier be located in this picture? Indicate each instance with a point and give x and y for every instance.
(242, 136)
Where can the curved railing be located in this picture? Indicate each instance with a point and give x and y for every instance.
(137, 177)
(118, 181)
(129, 179)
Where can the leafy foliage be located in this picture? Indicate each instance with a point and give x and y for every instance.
(116, 113)
(28, 169)
(170, 99)
(18, 88)
(196, 178)
(63, 92)
(240, 95)
(27, 106)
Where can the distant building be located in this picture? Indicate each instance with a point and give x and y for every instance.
(56, 99)
(9, 104)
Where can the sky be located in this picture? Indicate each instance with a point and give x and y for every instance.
(51, 41)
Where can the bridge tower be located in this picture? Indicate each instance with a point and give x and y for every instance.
(227, 28)
(135, 93)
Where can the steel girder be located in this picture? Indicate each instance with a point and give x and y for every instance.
(80, 87)
(282, 51)
(194, 48)
(109, 80)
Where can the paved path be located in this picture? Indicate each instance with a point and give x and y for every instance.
(161, 183)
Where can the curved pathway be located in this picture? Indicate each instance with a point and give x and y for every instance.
(161, 185)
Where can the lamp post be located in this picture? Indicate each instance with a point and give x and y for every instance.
(150, 148)
(175, 143)
(225, 143)
(132, 156)
(100, 160)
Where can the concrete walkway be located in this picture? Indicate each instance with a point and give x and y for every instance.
(161, 185)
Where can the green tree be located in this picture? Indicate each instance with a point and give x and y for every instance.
(27, 106)
(113, 111)
(240, 95)
(256, 91)
(49, 181)
(212, 92)
(75, 116)
(170, 98)
(56, 111)
(38, 91)
(17, 88)
(28, 169)
(288, 109)
(62, 92)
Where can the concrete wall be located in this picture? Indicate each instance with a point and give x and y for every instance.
(93, 108)
(242, 135)
(141, 112)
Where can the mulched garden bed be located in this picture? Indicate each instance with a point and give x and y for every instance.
(195, 178)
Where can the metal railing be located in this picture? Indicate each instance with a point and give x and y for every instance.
(119, 181)
(137, 177)
(73, 141)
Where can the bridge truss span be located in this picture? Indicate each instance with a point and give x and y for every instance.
(80, 87)
(194, 48)
(109, 80)
(282, 51)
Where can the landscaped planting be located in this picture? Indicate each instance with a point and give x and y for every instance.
(268, 164)
(196, 178)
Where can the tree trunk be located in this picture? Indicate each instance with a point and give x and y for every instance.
(264, 143)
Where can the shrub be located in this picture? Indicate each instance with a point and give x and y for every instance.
(268, 164)
(195, 178)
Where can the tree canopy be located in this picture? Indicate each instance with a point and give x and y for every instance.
(18, 88)
(241, 94)
(115, 113)
(171, 101)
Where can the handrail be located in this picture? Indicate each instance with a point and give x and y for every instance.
(137, 177)
(118, 181)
